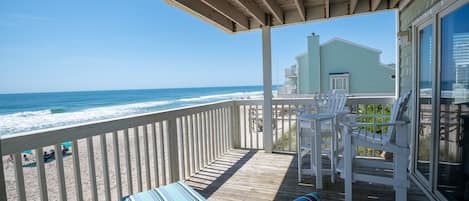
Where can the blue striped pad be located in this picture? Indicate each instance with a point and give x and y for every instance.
(176, 191)
(309, 197)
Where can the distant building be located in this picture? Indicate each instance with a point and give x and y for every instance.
(338, 65)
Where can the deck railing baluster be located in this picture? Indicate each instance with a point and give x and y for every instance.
(104, 160)
(42, 175)
(128, 164)
(115, 146)
(60, 172)
(20, 190)
(163, 153)
(138, 163)
(91, 167)
(155, 155)
(146, 156)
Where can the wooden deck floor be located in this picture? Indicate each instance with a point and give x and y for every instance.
(249, 175)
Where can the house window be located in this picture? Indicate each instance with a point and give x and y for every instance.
(339, 82)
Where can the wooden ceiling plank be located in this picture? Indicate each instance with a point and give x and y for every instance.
(393, 3)
(301, 9)
(403, 4)
(254, 10)
(353, 6)
(375, 4)
(275, 9)
(229, 11)
(327, 9)
(200, 9)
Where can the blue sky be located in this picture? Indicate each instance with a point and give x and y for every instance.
(100, 45)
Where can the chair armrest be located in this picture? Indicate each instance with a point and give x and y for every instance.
(357, 124)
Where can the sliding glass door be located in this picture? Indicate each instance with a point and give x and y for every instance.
(453, 151)
(442, 102)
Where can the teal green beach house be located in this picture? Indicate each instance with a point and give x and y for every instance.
(338, 65)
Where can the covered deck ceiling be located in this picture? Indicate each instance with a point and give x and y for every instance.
(233, 16)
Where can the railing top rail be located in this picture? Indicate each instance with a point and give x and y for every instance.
(308, 100)
(370, 99)
(32, 139)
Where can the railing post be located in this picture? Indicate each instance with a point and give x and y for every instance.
(3, 192)
(173, 149)
(236, 135)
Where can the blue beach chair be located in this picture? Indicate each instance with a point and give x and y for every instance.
(309, 197)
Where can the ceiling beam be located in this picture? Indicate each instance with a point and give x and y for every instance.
(301, 9)
(393, 3)
(353, 6)
(375, 4)
(229, 11)
(201, 10)
(254, 10)
(326, 9)
(403, 3)
(275, 9)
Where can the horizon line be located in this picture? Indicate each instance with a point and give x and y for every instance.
(130, 89)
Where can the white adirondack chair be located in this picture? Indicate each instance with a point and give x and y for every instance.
(395, 141)
(325, 105)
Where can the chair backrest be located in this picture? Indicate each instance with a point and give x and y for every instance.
(330, 102)
(398, 109)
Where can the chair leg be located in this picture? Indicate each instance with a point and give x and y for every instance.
(317, 154)
(400, 176)
(348, 166)
(333, 151)
(298, 152)
(401, 193)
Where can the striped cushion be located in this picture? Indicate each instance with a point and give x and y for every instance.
(309, 197)
(175, 191)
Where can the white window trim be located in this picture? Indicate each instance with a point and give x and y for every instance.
(335, 78)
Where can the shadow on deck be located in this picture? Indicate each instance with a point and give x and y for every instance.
(249, 174)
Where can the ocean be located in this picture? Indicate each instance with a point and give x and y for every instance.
(34, 111)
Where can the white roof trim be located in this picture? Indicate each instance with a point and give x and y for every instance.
(351, 43)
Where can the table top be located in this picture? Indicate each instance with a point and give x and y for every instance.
(317, 116)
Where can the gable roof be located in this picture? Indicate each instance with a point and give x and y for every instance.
(352, 44)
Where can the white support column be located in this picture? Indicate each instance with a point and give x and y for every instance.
(267, 77)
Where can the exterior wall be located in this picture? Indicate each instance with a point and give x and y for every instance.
(406, 18)
(366, 73)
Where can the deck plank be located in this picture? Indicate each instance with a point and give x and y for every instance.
(248, 174)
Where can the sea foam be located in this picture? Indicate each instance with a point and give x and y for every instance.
(34, 120)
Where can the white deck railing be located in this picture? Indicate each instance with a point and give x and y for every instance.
(117, 157)
(137, 153)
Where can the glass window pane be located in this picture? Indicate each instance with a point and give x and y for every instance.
(453, 167)
(425, 99)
